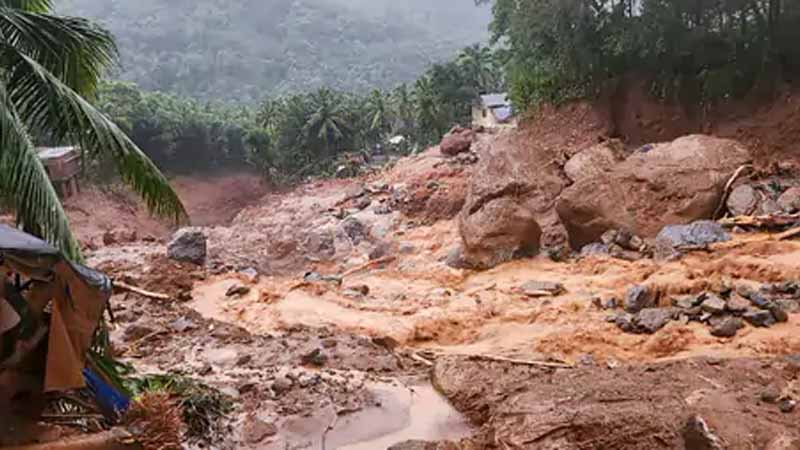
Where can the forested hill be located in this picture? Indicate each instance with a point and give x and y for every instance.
(246, 49)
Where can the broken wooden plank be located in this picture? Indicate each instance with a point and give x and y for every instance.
(124, 287)
(788, 234)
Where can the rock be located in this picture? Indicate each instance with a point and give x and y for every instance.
(361, 289)
(650, 320)
(698, 436)
(254, 431)
(743, 200)
(237, 290)
(677, 182)
(696, 234)
(778, 313)
(759, 318)
(638, 298)
(727, 327)
(768, 207)
(789, 201)
(625, 322)
(355, 230)
(689, 301)
(594, 249)
(623, 239)
(509, 200)
(595, 160)
(455, 259)
(787, 406)
(770, 394)
(182, 324)
(250, 274)
(379, 250)
(458, 140)
(737, 304)
(542, 289)
(136, 332)
(713, 304)
(188, 245)
(315, 358)
(790, 306)
(282, 385)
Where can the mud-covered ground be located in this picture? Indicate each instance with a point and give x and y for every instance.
(340, 340)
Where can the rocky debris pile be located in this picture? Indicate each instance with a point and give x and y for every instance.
(672, 183)
(765, 197)
(618, 244)
(457, 140)
(725, 313)
(188, 245)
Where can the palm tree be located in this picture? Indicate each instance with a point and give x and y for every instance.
(50, 66)
(478, 63)
(328, 121)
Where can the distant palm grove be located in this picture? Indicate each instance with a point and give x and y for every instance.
(317, 102)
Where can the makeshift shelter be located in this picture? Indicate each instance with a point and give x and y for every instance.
(46, 298)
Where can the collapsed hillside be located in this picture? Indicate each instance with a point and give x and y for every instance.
(332, 304)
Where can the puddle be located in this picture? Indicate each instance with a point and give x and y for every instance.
(403, 414)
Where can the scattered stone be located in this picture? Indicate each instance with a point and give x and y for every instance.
(737, 304)
(713, 304)
(789, 201)
(542, 289)
(639, 298)
(689, 301)
(626, 322)
(329, 343)
(768, 207)
(787, 406)
(362, 203)
(250, 274)
(759, 318)
(237, 290)
(254, 431)
(743, 200)
(778, 313)
(697, 234)
(244, 360)
(457, 140)
(182, 324)
(188, 245)
(698, 436)
(758, 300)
(361, 289)
(136, 332)
(316, 277)
(594, 249)
(611, 303)
(315, 358)
(727, 327)
(355, 230)
(790, 306)
(282, 385)
(650, 320)
(771, 394)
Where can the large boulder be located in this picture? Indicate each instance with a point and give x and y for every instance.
(594, 160)
(188, 245)
(458, 140)
(509, 203)
(677, 182)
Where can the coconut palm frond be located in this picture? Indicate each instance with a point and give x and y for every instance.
(49, 105)
(26, 186)
(37, 6)
(72, 49)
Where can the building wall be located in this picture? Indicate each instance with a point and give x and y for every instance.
(482, 117)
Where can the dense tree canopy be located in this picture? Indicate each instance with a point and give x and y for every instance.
(245, 49)
(697, 50)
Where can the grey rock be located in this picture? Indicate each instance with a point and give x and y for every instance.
(758, 300)
(789, 201)
(638, 298)
(787, 406)
(778, 313)
(542, 288)
(625, 322)
(743, 200)
(650, 320)
(727, 327)
(355, 230)
(790, 306)
(250, 274)
(697, 435)
(696, 234)
(688, 301)
(315, 358)
(759, 318)
(282, 384)
(188, 245)
(771, 394)
(594, 249)
(237, 290)
(455, 259)
(713, 304)
(737, 304)
(768, 207)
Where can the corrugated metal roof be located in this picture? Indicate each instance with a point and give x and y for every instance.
(502, 113)
(493, 100)
(55, 152)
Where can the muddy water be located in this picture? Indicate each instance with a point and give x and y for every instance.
(415, 413)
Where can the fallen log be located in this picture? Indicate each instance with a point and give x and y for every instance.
(788, 234)
(772, 221)
(123, 287)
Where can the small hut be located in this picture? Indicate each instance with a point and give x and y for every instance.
(63, 165)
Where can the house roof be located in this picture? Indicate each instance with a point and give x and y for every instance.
(54, 152)
(494, 100)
